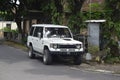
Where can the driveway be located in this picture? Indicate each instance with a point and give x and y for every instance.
(15, 65)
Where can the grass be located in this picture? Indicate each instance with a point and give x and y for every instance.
(16, 45)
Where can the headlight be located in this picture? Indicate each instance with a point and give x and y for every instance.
(78, 46)
(55, 46)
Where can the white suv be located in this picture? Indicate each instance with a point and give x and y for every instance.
(47, 41)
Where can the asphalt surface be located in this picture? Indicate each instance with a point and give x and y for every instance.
(15, 65)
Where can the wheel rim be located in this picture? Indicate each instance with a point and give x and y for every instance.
(45, 57)
(30, 52)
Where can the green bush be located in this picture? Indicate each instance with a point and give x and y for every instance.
(93, 49)
(111, 60)
(14, 31)
(6, 29)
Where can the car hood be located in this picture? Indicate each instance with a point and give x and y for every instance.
(64, 41)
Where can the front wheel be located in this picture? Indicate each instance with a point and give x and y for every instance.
(77, 59)
(47, 58)
(30, 52)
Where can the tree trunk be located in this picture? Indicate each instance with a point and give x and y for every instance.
(18, 21)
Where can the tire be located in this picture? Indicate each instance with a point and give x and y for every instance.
(47, 58)
(30, 53)
(77, 59)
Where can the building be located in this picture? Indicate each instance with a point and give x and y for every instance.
(9, 24)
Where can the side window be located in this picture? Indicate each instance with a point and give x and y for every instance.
(41, 31)
(38, 29)
(31, 31)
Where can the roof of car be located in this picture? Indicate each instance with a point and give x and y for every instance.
(49, 25)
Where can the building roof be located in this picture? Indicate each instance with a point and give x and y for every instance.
(95, 21)
(50, 25)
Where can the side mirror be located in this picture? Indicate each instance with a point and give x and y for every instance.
(39, 35)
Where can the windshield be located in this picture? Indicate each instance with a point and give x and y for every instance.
(57, 33)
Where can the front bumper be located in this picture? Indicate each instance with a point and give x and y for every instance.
(66, 53)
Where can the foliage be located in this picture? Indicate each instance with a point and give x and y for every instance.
(6, 29)
(75, 21)
(112, 8)
(96, 6)
(56, 16)
(111, 30)
(111, 60)
(3, 14)
(53, 9)
(112, 27)
(93, 49)
(67, 12)
(95, 12)
(14, 31)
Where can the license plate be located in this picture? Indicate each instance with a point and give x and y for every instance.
(68, 52)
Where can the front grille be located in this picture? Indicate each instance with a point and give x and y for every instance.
(67, 50)
(67, 46)
(66, 53)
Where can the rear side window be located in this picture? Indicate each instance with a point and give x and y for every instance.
(37, 30)
(31, 31)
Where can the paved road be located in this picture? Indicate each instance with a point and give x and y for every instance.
(15, 65)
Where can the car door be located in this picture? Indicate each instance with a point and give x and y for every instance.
(30, 37)
(34, 39)
(37, 40)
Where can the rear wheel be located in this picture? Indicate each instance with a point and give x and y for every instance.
(30, 53)
(47, 58)
(77, 59)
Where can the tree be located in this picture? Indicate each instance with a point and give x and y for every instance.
(69, 13)
(17, 11)
(112, 31)
(14, 10)
(54, 9)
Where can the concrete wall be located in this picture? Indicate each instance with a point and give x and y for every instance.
(93, 34)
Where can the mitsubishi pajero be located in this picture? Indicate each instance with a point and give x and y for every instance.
(48, 41)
